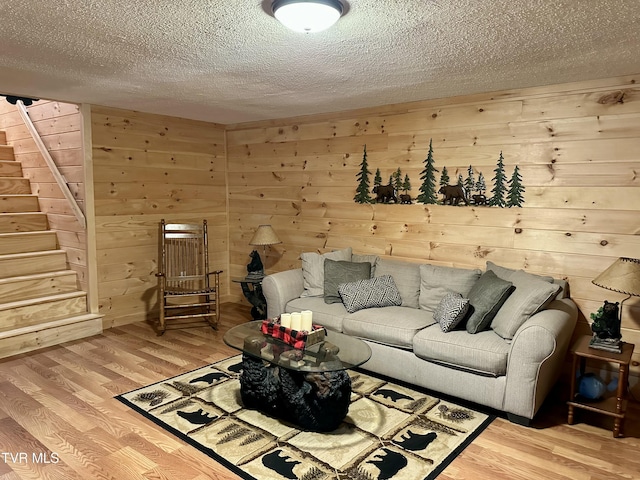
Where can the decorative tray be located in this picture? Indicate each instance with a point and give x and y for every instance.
(295, 338)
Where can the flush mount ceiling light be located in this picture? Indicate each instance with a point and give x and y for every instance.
(307, 16)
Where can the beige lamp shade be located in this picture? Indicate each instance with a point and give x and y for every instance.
(264, 236)
(623, 276)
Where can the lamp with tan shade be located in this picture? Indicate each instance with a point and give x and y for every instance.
(622, 276)
(264, 235)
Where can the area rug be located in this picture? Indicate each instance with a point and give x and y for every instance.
(391, 431)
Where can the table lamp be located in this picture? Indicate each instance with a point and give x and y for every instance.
(622, 276)
(264, 236)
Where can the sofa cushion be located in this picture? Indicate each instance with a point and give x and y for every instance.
(395, 326)
(313, 270)
(450, 311)
(372, 259)
(485, 299)
(436, 282)
(328, 315)
(486, 352)
(341, 271)
(374, 292)
(406, 276)
(530, 296)
(505, 273)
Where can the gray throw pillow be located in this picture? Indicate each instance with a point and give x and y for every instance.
(375, 292)
(313, 270)
(340, 271)
(530, 296)
(505, 273)
(450, 311)
(485, 299)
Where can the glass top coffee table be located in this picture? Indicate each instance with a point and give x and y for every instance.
(337, 352)
(308, 387)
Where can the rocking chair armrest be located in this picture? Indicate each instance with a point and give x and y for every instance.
(215, 272)
(160, 274)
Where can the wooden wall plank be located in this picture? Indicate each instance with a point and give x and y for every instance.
(148, 167)
(579, 159)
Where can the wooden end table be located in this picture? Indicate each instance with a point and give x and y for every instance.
(613, 406)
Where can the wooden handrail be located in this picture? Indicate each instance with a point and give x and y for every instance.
(60, 180)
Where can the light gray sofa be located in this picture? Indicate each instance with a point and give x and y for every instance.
(509, 371)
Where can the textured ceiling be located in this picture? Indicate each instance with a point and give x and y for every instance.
(230, 61)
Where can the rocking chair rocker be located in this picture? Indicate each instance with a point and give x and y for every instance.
(185, 287)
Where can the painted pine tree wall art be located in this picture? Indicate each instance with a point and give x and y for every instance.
(506, 192)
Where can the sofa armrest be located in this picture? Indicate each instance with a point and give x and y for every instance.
(536, 356)
(280, 288)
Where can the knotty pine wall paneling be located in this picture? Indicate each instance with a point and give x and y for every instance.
(577, 147)
(60, 127)
(149, 167)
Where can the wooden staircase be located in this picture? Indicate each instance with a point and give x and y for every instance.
(40, 303)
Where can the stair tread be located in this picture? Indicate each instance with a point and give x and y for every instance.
(40, 253)
(14, 332)
(40, 300)
(36, 276)
(22, 213)
(27, 233)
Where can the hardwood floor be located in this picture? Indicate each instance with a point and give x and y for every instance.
(58, 418)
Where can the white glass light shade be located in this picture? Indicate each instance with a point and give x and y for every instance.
(307, 16)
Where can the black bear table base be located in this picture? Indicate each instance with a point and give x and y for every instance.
(316, 401)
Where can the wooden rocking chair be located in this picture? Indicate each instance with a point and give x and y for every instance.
(186, 291)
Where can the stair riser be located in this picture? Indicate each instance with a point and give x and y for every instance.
(6, 152)
(38, 287)
(15, 267)
(43, 312)
(24, 243)
(19, 203)
(10, 169)
(14, 185)
(47, 337)
(30, 222)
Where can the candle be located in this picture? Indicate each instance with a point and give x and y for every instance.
(307, 316)
(285, 320)
(296, 321)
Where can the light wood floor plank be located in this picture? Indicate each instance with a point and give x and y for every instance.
(60, 400)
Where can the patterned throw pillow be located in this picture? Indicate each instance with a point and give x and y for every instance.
(375, 292)
(450, 311)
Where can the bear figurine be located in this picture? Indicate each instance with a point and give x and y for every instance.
(606, 323)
